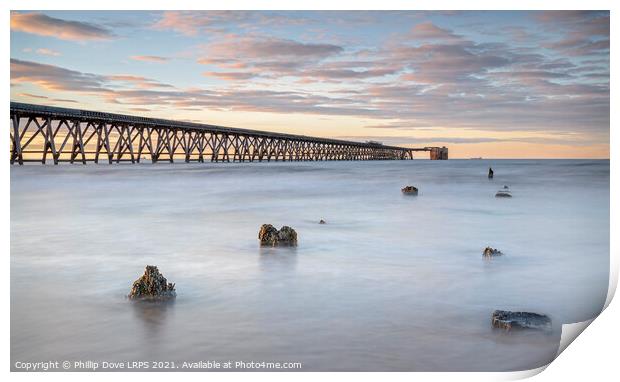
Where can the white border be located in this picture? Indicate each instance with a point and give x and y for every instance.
(591, 356)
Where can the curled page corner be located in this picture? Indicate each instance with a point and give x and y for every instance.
(613, 279)
(519, 375)
(570, 332)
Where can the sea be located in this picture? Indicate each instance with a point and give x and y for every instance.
(391, 282)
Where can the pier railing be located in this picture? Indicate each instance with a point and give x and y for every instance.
(52, 134)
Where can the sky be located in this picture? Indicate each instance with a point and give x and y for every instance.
(492, 84)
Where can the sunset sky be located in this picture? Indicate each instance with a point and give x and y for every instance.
(508, 84)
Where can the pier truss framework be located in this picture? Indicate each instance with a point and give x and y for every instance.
(52, 135)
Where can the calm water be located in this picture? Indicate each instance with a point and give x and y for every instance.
(389, 283)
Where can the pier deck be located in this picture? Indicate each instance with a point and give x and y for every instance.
(45, 133)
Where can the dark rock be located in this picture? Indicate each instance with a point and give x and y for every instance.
(270, 236)
(504, 319)
(409, 190)
(152, 284)
(321, 221)
(287, 236)
(490, 252)
(490, 173)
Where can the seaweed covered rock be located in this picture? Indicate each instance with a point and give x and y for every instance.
(153, 285)
(491, 252)
(505, 319)
(270, 236)
(409, 190)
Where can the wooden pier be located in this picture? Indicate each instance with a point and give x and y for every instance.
(48, 134)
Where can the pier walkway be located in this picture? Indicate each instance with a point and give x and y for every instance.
(53, 134)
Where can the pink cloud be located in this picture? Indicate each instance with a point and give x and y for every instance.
(262, 56)
(223, 63)
(53, 77)
(230, 76)
(48, 52)
(584, 33)
(138, 81)
(155, 59)
(43, 25)
(33, 95)
(429, 31)
(264, 48)
(192, 23)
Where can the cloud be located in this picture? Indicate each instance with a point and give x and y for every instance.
(43, 25)
(56, 78)
(479, 104)
(450, 63)
(264, 47)
(568, 17)
(156, 59)
(137, 81)
(264, 56)
(193, 23)
(430, 31)
(48, 52)
(427, 76)
(342, 74)
(260, 57)
(53, 77)
(518, 75)
(137, 90)
(583, 33)
(33, 96)
(231, 76)
(558, 139)
(347, 70)
(421, 141)
(38, 96)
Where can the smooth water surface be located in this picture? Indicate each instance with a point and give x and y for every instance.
(391, 282)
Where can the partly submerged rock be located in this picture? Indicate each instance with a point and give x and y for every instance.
(505, 319)
(409, 190)
(153, 285)
(287, 236)
(322, 221)
(504, 193)
(270, 236)
(490, 252)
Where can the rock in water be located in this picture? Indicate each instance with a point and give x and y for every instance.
(321, 221)
(270, 236)
(287, 236)
(490, 252)
(409, 190)
(508, 320)
(504, 193)
(152, 284)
